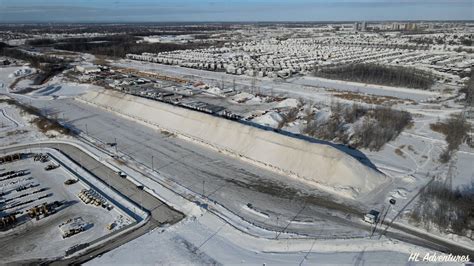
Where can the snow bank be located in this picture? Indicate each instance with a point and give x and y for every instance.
(242, 97)
(270, 119)
(288, 103)
(215, 90)
(62, 89)
(316, 164)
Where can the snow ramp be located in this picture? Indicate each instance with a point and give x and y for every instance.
(319, 165)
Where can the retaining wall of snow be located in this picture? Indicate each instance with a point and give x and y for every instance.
(316, 164)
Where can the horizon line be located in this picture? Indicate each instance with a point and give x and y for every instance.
(237, 22)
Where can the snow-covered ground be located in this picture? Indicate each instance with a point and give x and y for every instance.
(60, 89)
(207, 239)
(403, 93)
(306, 87)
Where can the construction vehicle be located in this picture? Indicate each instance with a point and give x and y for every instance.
(92, 197)
(44, 209)
(37, 211)
(41, 157)
(8, 220)
(110, 226)
(50, 167)
(72, 227)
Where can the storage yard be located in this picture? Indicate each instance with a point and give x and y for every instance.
(45, 203)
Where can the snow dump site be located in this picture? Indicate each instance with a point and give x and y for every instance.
(319, 165)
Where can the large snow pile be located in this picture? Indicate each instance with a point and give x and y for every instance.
(242, 97)
(288, 103)
(255, 100)
(270, 119)
(316, 164)
(214, 90)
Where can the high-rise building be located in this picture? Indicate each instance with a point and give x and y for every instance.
(364, 26)
(356, 26)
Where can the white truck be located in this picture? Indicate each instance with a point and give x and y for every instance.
(371, 217)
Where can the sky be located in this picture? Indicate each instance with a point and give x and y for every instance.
(232, 10)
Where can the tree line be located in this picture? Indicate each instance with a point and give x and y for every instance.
(378, 74)
(451, 211)
(47, 66)
(118, 45)
(456, 130)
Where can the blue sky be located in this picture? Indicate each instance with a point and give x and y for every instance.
(232, 10)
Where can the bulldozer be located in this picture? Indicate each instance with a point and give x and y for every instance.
(44, 209)
(8, 220)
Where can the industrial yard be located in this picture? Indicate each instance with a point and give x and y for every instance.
(348, 142)
(43, 203)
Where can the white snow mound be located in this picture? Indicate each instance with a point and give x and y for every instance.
(242, 97)
(270, 119)
(288, 103)
(316, 164)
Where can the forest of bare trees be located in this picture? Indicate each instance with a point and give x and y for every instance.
(455, 130)
(378, 74)
(35, 61)
(117, 45)
(47, 66)
(358, 126)
(451, 211)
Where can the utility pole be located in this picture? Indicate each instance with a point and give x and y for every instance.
(152, 166)
(204, 181)
(87, 131)
(392, 202)
(376, 224)
(115, 141)
(276, 231)
(449, 175)
(141, 200)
